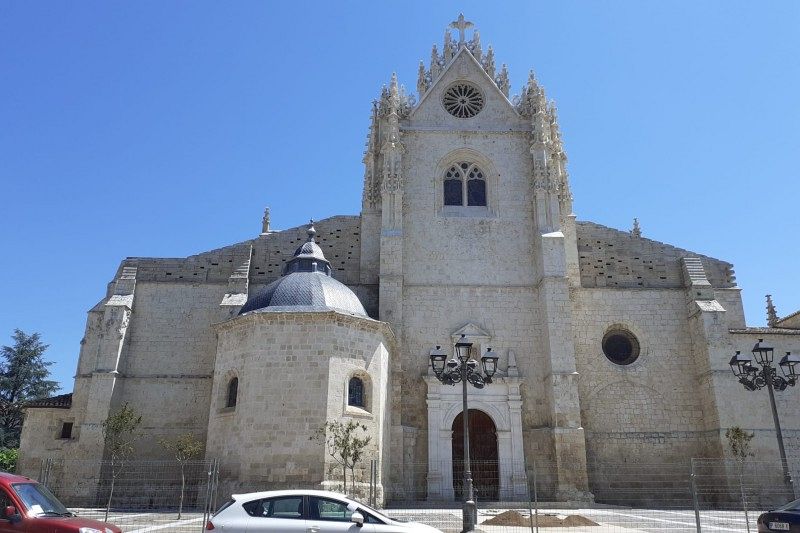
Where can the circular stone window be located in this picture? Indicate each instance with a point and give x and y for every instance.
(463, 100)
(621, 346)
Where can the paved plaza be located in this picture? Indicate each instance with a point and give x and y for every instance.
(449, 520)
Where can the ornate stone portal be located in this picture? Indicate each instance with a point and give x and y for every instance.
(501, 401)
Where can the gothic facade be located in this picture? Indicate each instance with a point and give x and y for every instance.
(611, 345)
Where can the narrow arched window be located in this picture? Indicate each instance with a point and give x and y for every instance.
(233, 392)
(355, 392)
(464, 185)
(476, 187)
(453, 187)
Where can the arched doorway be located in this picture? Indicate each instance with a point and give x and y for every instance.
(482, 453)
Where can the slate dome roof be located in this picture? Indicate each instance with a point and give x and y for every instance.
(306, 285)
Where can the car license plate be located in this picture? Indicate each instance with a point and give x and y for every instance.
(779, 526)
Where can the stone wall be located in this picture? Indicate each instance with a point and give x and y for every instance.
(169, 359)
(41, 439)
(649, 411)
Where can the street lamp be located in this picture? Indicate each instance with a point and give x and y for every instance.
(462, 368)
(752, 379)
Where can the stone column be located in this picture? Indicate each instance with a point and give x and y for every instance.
(519, 478)
(435, 476)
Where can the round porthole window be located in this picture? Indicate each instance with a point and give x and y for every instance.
(463, 100)
(621, 346)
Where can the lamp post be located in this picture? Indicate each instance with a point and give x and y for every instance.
(752, 379)
(462, 368)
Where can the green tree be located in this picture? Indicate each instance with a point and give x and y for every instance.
(8, 459)
(119, 431)
(739, 443)
(184, 448)
(23, 377)
(344, 444)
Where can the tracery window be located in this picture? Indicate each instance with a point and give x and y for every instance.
(355, 392)
(463, 100)
(465, 185)
(233, 392)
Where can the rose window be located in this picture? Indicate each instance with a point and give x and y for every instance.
(463, 100)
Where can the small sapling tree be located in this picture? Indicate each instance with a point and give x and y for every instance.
(344, 444)
(184, 448)
(119, 431)
(739, 443)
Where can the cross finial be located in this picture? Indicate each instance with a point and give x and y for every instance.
(461, 25)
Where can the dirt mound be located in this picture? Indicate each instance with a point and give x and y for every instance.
(575, 520)
(514, 518)
(508, 518)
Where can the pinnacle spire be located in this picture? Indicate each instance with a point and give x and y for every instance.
(502, 80)
(488, 62)
(422, 84)
(772, 314)
(476, 45)
(447, 49)
(636, 231)
(434, 68)
(265, 221)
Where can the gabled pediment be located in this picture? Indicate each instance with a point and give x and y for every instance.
(464, 67)
(471, 331)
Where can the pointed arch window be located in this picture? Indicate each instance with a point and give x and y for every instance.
(355, 392)
(465, 185)
(233, 393)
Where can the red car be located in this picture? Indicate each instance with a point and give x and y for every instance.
(28, 507)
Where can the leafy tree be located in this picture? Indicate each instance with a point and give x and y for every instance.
(119, 431)
(185, 448)
(739, 442)
(23, 377)
(343, 444)
(8, 459)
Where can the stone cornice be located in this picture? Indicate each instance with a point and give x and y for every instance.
(311, 316)
(764, 331)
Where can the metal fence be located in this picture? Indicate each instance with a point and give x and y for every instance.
(137, 495)
(689, 496)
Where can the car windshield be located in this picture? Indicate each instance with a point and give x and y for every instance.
(791, 506)
(38, 500)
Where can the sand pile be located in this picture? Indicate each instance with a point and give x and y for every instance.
(514, 518)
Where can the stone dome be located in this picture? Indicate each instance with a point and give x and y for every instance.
(306, 285)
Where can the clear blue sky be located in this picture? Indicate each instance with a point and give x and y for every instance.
(155, 128)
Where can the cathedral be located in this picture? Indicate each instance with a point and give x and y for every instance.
(612, 347)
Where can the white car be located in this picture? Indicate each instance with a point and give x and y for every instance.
(307, 511)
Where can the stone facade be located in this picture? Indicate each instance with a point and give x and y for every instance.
(509, 266)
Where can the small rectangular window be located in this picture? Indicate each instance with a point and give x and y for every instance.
(66, 430)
